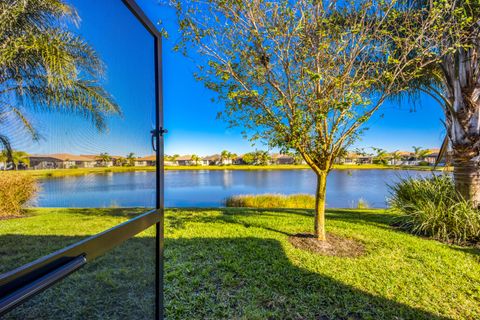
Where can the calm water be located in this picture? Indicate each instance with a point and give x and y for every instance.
(209, 188)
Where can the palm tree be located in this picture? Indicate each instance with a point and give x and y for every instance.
(232, 157)
(380, 156)
(195, 159)
(46, 67)
(225, 155)
(452, 79)
(105, 158)
(420, 153)
(15, 158)
(396, 156)
(130, 159)
(120, 161)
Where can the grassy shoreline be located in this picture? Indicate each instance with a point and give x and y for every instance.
(239, 264)
(56, 173)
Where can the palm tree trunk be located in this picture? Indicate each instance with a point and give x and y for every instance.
(467, 180)
(320, 197)
(463, 121)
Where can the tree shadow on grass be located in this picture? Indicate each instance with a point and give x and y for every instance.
(214, 278)
(114, 212)
(474, 250)
(236, 215)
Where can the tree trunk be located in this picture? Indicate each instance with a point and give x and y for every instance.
(467, 180)
(320, 196)
(462, 116)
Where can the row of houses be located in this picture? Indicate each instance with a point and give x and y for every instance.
(217, 160)
(404, 158)
(66, 161)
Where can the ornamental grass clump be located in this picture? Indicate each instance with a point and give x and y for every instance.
(15, 191)
(432, 207)
(301, 201)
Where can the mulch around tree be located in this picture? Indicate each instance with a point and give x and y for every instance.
(334, 245)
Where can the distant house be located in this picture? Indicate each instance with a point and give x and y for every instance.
(3, 166)
(99, 162)
(213, 160)
(406, 158)
(354, 158)
(61, 161)
(151, 160)
(170, 163)
(145, 161)
(282, 159)
(186, 161)
(226, 162)
(431, 158)
(348, 158)
(238, 160)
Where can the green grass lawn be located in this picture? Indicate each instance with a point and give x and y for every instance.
(238, 264)
(56, 173)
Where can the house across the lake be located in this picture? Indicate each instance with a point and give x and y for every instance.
(213, 160)
(100, 161)
(185, 161)
(279, 158)
(60, 161)
(354, 158)
(145, 161)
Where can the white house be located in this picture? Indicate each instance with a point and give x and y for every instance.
(61, 161)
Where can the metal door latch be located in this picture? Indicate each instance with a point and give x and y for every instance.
(157, 133)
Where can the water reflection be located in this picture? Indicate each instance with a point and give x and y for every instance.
(209, 188)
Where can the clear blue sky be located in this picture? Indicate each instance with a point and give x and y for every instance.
(189, 113)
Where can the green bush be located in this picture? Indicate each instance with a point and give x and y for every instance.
(15, 190)
(431, 207)
(363, 204)
(302, 201)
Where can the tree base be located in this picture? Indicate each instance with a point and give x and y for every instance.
(333, 246)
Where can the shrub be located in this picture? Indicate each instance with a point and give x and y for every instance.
(15, 190)
(424, 163)
(363, 204)
(302, 201)
(431, 207)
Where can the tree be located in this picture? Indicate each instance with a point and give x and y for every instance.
(121, 161)
(262, 158)
(195, 158)
(420, 153)
(248, 158)
(381, 156)
(396, 156)
(105, 158)
(232, 157)
(130, 159)
(453, 42)
(15, 158)
(299, 75)
(225, 155)
(361, 152)
(46, 67)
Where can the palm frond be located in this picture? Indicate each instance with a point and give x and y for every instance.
(46, 67)
(443, 151)
(5, 143)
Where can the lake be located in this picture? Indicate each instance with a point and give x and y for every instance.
(209, 188)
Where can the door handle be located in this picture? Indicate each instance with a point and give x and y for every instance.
(155, 134)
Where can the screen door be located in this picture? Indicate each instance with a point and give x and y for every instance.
(94, 163)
